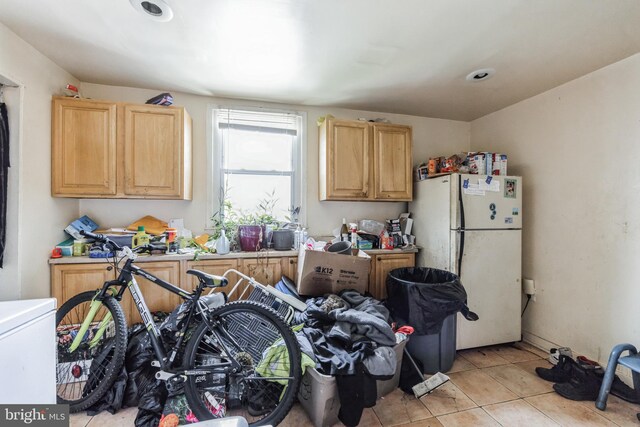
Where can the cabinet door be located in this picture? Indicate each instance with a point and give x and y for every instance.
(83, 148)
(290, 268)
(157, 298)
(267, 271)
(383, 265)
(347, 160)
(393, 166)
(68, 280)
(218, 268)
(154, 155)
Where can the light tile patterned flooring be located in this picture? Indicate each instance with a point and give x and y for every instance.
(491, 386)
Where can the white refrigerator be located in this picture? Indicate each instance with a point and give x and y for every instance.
(471, 225)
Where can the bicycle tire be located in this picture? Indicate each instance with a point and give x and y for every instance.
(117, 344)
(268, 318)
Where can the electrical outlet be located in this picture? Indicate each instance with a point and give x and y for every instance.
(528, 287)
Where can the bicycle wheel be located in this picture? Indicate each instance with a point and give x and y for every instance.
(264, 390)
(85, 374)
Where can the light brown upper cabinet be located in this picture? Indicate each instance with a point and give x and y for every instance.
(83, 148)
(116, 150)
(392, 167)
(364, 161)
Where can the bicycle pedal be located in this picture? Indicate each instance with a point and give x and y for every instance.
(176, 380)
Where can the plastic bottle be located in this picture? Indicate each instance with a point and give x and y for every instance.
(222, 244)
(141, 238)
(304, 236)
(297, 237)
(172, 244)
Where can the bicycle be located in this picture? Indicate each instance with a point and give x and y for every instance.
(231, 358)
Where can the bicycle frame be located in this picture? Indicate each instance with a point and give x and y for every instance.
(126, 281)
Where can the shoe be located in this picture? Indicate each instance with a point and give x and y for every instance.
(583, 385)
(560, 373)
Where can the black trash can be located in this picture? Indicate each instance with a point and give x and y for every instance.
(428, 299)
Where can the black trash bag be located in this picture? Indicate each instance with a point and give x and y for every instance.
(151, 405)
(112, 400)
(143, 389)
(424, 297)
(141, 375)
(173, 323)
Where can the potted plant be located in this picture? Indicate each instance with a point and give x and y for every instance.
(250, 230)
(254, 229)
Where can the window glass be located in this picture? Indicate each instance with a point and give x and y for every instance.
(259, 161)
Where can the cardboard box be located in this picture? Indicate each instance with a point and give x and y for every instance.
(322, 273)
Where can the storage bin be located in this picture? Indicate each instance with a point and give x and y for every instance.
(318, 393)
(436, 352)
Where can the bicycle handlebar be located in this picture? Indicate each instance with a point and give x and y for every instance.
(102, 239)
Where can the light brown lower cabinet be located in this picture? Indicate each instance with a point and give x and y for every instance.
(157, 298)
(68, 280)
(381, 265)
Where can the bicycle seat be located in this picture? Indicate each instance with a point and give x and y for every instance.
(209, 280)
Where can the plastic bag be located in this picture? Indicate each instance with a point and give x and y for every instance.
(138, 364)
(112, 400)
(424, 297)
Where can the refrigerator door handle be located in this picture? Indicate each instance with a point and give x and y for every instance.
(461, 228)
(460, 252)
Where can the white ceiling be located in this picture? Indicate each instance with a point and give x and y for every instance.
(401, 56)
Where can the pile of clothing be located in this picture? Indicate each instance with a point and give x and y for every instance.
(348, 336)
(581, 378)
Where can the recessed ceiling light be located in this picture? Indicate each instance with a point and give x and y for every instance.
(158, 10)
(480, 75)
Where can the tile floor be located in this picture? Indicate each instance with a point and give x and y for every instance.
(491, 386)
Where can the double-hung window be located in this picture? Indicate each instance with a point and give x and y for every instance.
(259, 161)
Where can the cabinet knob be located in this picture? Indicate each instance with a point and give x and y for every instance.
(291, 261)
(109, 268)
(379, 259)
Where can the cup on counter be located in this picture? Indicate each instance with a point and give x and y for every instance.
(79, 247)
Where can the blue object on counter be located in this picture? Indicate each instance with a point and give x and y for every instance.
(97, 254)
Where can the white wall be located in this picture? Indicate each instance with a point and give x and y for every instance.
(430, 137)
(577, 147)
(39, 218)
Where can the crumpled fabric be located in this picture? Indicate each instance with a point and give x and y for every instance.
(275, 361)
(335, 356)
(360, 317)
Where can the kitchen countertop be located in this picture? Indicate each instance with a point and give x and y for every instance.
(232, 255)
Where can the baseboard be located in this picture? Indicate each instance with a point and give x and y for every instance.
(545, 345)
(538, 342)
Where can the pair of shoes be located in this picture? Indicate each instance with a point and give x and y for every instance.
(583, 385)
(560, 373)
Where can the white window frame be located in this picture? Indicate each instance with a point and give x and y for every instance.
(215, 173)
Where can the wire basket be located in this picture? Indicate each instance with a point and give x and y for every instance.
(285, 305)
